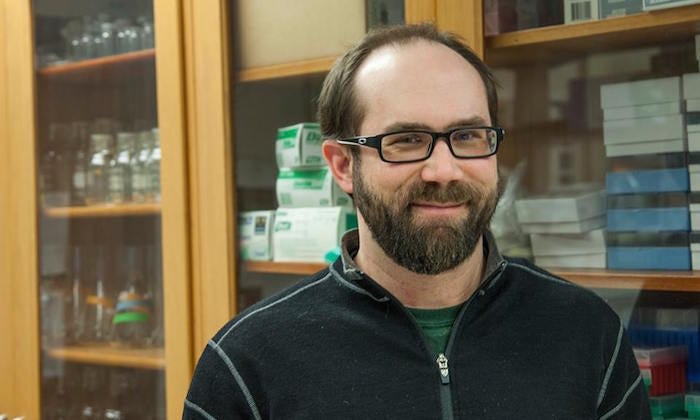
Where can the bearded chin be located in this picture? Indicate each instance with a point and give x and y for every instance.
(425, 248)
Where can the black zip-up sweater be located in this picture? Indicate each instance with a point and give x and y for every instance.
(526, 345)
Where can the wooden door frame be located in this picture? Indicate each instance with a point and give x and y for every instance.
(19, 143)
(209, 123)
(175, 215)
(6, 299)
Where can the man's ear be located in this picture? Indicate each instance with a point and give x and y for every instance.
(339, 160)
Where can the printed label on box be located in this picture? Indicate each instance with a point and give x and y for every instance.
(299, 146)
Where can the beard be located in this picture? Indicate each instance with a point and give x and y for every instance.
(424, 246)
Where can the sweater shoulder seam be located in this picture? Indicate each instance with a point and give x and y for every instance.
(269, 305)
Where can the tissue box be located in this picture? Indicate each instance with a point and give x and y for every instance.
(648, 212)
(650, 91)
(648, 250)
(647, 173)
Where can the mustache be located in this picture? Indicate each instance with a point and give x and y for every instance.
(452, 193)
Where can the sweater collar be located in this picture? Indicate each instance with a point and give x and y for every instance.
(350, 244)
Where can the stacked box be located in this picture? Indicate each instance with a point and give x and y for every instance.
(647, 176)
(565, 230)
(665, 4)
(691, 96)
(580, 10)
(666, 365)
(307, 234)
(309, 188)
(692, 405)
(255, 234)
(667, 406)
(612, 8)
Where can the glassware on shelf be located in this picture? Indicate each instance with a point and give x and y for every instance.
(120, 176)
(98, 307)
(147, 35)
(98, 171)
(77, 326)
(139, 161)
(153, 168)
(132, 319)
(54, 301)
(80, 133)
(104, 37)
(55, 183)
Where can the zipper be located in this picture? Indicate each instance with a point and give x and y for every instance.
(442, 360)
(445, 391)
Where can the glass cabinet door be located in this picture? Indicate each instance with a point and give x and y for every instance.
(278, 72)
(98, 158)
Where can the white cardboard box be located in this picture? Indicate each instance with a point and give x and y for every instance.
(307, 234)
(255, 234)
(546, 245)
(642, 111)
(579, 226)
(557, 208)
(646, 147)
(650, 91)
(299, 146)
(694, 141)
(694, 217)
(580, 10)
(695, 253)
(310, 188)
(691, 86)
(694, 172)
(692, 105)
(635, 130)
(596, 260)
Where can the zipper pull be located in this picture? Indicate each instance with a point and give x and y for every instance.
(444, 371)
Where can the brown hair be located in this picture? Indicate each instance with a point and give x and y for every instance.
(339, 112)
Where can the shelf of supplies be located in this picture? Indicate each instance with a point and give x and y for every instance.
(660, 281)
(560, 42)
(669, 281)
(107, 355)
(96, 69)
(284, 267)
(105, 210)
(276, 71)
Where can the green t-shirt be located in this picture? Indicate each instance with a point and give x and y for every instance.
(436, 325)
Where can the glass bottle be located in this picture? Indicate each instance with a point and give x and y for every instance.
(80, 163)
(154, 168)
(98, 177)
(120, 183)
(147, 38)
(139, 166)
(55, 173)
(104, 39)
(132, 319)
(87, 44)
(77, 326)
(97, 305)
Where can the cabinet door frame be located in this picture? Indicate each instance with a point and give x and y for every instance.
(19, 244)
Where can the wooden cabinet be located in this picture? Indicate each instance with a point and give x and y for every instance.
(217, 122)
(95, 280)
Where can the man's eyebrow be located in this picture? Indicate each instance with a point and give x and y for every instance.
(474, 121)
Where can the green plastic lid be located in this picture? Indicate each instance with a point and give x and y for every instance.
(130, 317)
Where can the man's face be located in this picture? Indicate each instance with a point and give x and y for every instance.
(427, 216)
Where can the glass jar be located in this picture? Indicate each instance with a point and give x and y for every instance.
(98, 171)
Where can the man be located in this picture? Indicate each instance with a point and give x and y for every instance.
(420, 317)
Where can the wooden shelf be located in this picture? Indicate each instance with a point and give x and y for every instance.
(111, 356)
(283, 267)
(669, 281)
(300, 68)
(561, 42)
(97, 69)
(115, 210)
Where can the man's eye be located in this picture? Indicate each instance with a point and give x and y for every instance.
(405, 139)
(463, 135)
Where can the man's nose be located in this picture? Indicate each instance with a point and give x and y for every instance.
(441, 167)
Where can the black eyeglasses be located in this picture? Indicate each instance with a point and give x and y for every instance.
(417, 145)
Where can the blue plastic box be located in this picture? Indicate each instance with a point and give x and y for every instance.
(648, 181)
(648, 219)
(645, 336)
